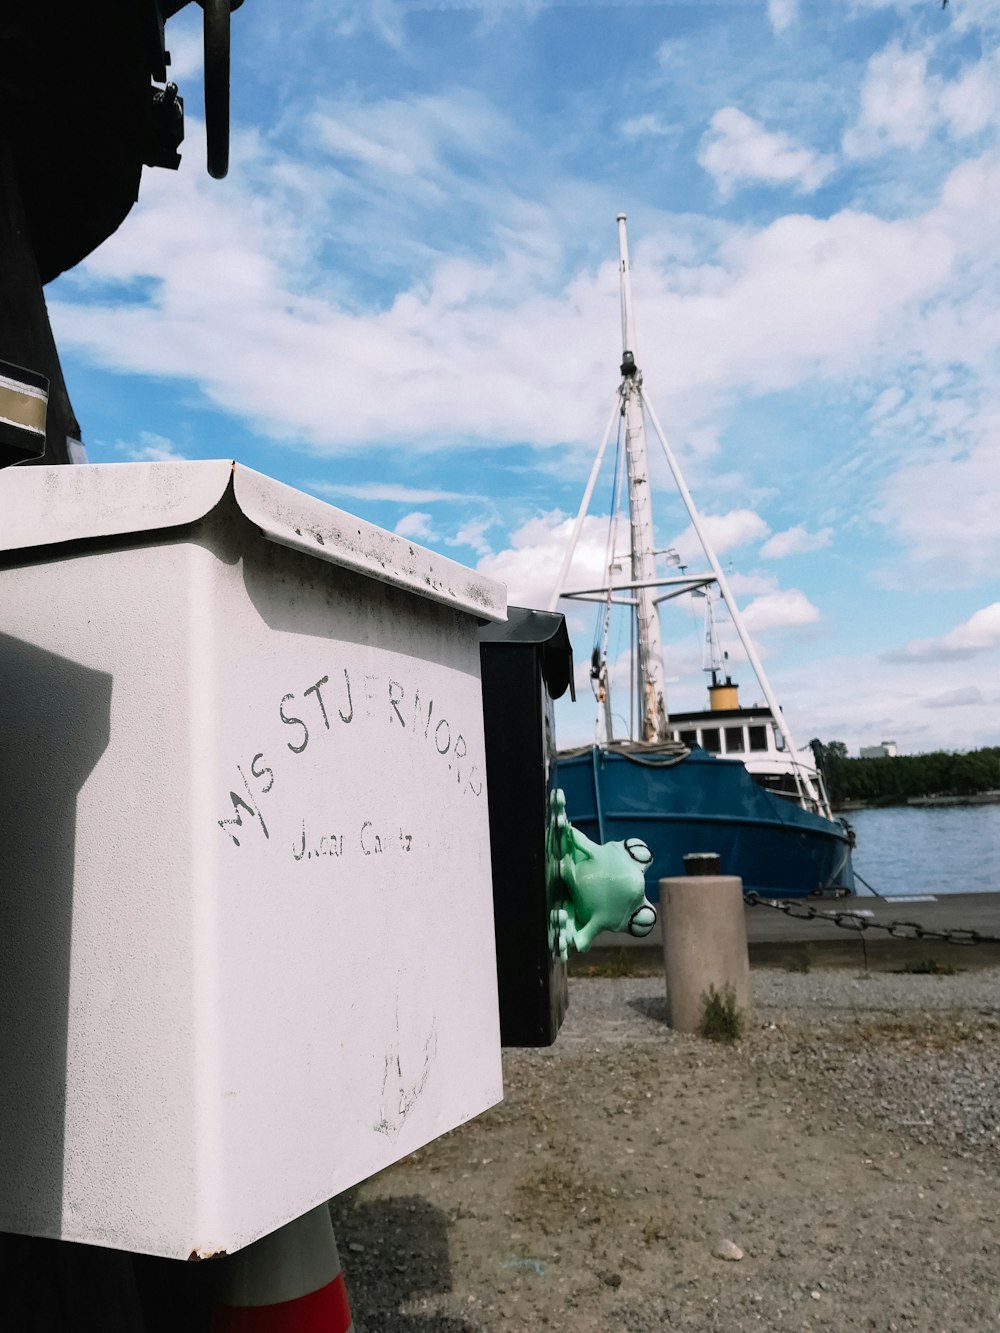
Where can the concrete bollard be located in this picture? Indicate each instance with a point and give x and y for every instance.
(704, 939)
(289, 1281)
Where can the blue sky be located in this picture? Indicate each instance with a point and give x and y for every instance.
(403, 299)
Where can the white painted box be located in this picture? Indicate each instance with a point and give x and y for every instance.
(246, 936)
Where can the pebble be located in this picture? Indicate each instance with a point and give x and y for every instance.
(727, 1249)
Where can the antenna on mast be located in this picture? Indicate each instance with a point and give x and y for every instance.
(625, 291)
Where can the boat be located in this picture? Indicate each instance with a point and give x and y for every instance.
(726, 779)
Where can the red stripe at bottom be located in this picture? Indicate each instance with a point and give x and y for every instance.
(323, 1311)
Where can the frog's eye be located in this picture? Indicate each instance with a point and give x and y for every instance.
(642, 920)
(638, 851)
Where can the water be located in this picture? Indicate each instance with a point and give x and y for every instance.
(909, 849)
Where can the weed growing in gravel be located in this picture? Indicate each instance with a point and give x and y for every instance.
(722, 1019)
(622, 963)
(618, 966)
(929, 967)
(928, 1031)
(800, 962)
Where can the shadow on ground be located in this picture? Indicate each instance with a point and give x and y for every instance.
(394, 1252)
(651, 1006)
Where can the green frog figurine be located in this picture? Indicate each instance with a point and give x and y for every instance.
(604, 883)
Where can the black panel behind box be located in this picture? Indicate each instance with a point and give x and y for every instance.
(527, 663)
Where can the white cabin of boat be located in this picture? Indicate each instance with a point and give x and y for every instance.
(751, 737)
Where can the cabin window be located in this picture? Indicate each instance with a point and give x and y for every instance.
(758, 738)
(779, 740)
(711, 740)
(735, 741)
(689, 737)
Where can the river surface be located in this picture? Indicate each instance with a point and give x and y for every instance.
(912, 849)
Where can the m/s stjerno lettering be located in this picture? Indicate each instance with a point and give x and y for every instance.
(328, 704)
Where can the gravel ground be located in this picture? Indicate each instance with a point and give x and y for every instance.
(848, 1147)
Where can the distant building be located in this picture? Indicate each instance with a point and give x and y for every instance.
(887, 750)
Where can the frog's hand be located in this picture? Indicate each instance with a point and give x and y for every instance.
(558, 927)
(567, 872)
(584, 937)
(583, 848)
(560, 827)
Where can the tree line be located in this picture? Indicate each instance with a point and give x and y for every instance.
(893, 781)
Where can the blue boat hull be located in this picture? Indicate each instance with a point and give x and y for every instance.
(703, 804)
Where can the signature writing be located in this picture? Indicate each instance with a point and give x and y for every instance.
(399, 1095)
(369, 840)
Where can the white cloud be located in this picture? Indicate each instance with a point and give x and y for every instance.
(886, 403)
(944, 506)
(345, 142)
(799, 297)
(389, 491)
(233, 305)
(416, 526)
(186, 44)
(231, 302)
(385, 18)
(738, 149)
(776, 610)
(979, 634)
(782, 13)
(752, 584)
(860, 700)
(151, 448)
(473, 534)
(960, 698)
(795, 541)
(972, 101)
(725, 532)
(410, 138)
(897, 104)
(531, 564)
(902, 103)
(836, 298)
(646, 126)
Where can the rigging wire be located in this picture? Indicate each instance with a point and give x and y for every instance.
(620, 489)
(599, 655)
(633, 656)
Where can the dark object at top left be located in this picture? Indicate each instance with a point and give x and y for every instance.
(85, 104)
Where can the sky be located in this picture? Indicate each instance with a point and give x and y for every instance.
(404, 300)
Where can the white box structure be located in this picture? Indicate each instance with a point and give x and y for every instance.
(246, 931)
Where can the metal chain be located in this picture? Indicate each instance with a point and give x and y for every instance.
(900, 930)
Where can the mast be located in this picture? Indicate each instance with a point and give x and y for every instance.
(652, 698)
